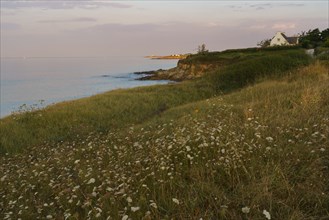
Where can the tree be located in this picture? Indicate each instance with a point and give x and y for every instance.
(312, 38)
(202, 49)
(264, 43)
(325, 34)
(325, 37)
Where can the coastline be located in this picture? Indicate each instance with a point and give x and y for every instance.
(168, 57)
(65, 79)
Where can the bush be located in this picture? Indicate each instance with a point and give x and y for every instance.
(320, 50)
(323, 56)
(249, 71)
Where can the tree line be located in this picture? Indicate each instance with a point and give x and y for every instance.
(307, 39)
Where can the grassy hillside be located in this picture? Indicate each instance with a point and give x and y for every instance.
(247, 140)
(122, 108)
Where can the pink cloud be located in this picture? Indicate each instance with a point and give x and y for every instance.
(284, 26)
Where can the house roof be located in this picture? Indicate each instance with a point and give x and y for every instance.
(291, 40)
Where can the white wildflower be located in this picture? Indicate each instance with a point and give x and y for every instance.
(109, 189)
(92, 180)
(76, 162)
(322, 149)
(269, 139)
(3, 178)
(267, 214)
(129, 200)
(125, 217)
(188, 148)
(245, 210)
(175, 201)
(49, 217)
(154, 205)
(134, 209)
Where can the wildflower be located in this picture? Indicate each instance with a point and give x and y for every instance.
(188, 148)
(92, 180)
(269, 139)
(129, 200)
(125, 217)
(76, 162)
(109, 189)
(245, 210)
(322, 149)
(267, 214)
(3, 178)
(134, 209)
(154, 205)
(175, 201)
(49, 217)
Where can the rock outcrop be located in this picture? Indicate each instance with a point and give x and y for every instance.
(183, 71)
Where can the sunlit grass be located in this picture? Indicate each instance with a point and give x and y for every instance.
(251, 153)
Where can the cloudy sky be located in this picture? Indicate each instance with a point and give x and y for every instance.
(57, 28)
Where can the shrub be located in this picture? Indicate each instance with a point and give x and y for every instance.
(249, 71)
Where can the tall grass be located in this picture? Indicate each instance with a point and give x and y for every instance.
(249, 71)
(259, 149)
(122, 108)
(100, 113)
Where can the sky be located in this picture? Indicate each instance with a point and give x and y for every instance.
(63, 28)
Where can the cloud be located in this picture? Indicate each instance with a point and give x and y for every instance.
(9, 26)
(117, 28)
(291, 4)
(283, 26)
(264, 6)
(61, 4)
(257, 26)
(81, 19)
(261, 5)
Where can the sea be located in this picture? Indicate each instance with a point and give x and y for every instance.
(39, 81)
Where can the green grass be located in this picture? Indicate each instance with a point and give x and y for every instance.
(235, 55)
(121, 108)
(216, 147)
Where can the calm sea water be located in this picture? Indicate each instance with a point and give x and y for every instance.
(29, 80)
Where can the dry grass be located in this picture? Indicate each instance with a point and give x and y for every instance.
(265, 147)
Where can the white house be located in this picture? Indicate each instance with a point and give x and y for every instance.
(280, 39)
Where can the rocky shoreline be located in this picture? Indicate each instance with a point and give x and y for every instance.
(183, 71)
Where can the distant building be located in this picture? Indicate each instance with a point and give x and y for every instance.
(280, 39)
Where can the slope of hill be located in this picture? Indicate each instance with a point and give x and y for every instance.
(247, 141)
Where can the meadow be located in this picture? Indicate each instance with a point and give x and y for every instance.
(248, 141)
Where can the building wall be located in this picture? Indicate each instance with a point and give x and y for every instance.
(278, 40)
